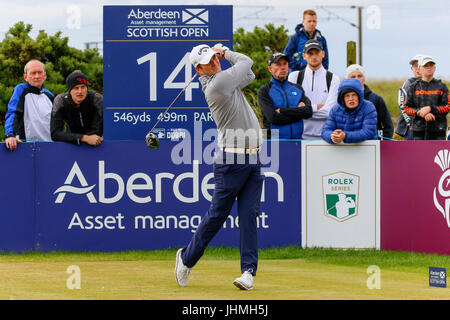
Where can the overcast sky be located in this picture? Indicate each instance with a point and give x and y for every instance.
(393, 31)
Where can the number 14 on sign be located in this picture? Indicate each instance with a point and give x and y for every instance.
(170, 83)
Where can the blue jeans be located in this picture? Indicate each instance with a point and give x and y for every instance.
(244, 182)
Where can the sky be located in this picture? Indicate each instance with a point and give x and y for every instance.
(392, 31)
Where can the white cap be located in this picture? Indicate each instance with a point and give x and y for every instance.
(424, 60)
(201, 54)
(354, 68)
(415, 58)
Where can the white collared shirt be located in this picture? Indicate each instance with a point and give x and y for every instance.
(315, 86)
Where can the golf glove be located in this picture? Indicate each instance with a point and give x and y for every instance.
(221, 46)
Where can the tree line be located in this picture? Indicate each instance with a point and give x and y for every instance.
(18, 47)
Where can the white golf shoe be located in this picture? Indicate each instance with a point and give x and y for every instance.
(245, 281)
(181, 271)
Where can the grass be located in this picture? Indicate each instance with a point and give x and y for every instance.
(388, 90)
(348, 257)
(288, 273)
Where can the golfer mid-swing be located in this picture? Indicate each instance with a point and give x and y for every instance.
(237, 169)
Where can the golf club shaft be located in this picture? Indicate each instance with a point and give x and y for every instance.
(174, 100)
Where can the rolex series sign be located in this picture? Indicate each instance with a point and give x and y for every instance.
(146, 65)
(340, 195)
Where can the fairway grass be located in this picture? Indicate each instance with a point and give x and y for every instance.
(289, 273)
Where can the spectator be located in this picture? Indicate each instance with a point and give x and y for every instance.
(404, 123)
(321, 87)
(29, 109)
(283, 104)
(427, 102)
(304, 32)
(385, 127)
(77, 115)
(352, 119)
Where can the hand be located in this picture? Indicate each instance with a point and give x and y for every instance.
(219, 54)
(220, 49)
(277, 110)
(338, 136)
(424, 111)
(429, 117)
(11, 143)
(319, 106)
(92, 140)
(301, 104)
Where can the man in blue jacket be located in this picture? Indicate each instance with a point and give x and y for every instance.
(303, 32)
(352, 119)
(29, 108)
(283, 104)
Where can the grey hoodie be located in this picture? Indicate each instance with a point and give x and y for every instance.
(237, 124)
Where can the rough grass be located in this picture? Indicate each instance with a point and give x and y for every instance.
(347, 257)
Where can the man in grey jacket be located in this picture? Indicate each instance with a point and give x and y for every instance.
(237, 168)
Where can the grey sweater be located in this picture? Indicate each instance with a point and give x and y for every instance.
(236, 122)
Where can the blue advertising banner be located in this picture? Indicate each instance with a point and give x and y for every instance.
(17, 196)
(146, 64)
(125, 196)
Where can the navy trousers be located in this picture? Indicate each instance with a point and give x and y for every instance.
(242, 180)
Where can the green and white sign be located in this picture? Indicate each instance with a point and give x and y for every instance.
(340, 195)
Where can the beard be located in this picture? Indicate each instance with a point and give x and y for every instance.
(281, 77)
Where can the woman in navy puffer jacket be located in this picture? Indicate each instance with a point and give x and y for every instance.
(351, 121)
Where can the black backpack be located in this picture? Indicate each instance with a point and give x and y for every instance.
(301, 75)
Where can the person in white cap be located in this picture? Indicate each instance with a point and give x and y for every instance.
(239, 139)
(427, 101)
(405, 122)
(384, 122)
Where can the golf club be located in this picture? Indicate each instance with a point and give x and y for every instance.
(151, 140)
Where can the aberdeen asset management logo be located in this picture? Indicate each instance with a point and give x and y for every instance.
(69, 188)
(442, 159)
(340, 195)
(195, 16)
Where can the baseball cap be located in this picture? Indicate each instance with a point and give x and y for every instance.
(424, 60)
(277, 56)
(415, 58)
(201, 54)
(312, 44)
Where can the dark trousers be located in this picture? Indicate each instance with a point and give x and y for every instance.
(409, 135)
(425, 135)
(244, 182)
